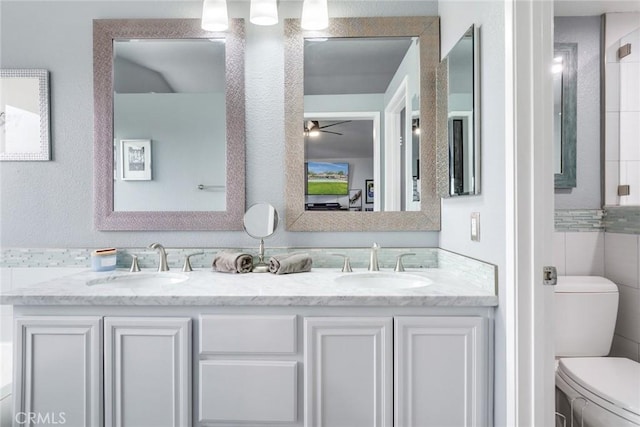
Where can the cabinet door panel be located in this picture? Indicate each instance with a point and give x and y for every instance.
(348, 372)
(147, 372)
(441, 371)
(248, 391)
(58, 370)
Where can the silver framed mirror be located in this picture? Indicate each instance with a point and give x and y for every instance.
(170, 95)
(423, 211)
(24, 115)
(458, 84)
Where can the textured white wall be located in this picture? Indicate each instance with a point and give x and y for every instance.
(50, 204)
(584, 30)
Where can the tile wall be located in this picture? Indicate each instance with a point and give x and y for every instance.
(584, 248)
(622, 106)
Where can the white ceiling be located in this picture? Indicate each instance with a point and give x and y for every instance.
(356, 141)
(593, 7)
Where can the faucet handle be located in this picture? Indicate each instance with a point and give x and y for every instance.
(399, 266)
(134, 264)
(346, 266)
(187, 264)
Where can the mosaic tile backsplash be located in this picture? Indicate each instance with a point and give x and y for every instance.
(622, 219)
(579, 220)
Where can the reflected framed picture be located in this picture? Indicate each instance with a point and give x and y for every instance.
(368, 193)
(136, 159)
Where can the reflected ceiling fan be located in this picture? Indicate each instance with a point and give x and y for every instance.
(312, 127)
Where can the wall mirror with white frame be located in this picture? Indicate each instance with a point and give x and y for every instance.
(169, 131)
(24, 115)
(355, 95)
(459, 117)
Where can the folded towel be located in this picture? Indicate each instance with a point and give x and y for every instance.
(232, 262)
(290, 263)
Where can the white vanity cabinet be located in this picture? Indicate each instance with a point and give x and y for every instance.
(139, 376)
(311, 366)
(348, 371)
(147, 371)
(58, 370)
(248, 369)
(423, 371)
(441, 371)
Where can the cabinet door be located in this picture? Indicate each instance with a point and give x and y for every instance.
(440, 371)
(147, 371)
(347, 372)
(58, 371)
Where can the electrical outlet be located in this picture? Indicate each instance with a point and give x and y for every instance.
(475, 226)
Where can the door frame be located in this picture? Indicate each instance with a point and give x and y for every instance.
(529, 218)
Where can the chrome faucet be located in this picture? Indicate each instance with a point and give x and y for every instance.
(162, 266)
(373, 258)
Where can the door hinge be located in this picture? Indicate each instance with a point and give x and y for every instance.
(549, 276)
(624, 50)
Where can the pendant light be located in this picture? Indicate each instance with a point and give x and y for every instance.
(264, 12)
(214, 15)
(315, 15)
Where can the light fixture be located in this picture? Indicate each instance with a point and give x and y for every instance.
(264, 12)
(556, 68)
(315, 15)
(214, 15)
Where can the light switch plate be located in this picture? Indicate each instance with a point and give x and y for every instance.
(475, 226)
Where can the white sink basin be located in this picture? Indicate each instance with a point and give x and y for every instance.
(383, 280)
(139, 280)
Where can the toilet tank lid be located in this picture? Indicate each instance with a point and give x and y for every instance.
(585, 284)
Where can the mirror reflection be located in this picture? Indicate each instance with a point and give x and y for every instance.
(169, 93)
(462, 112)
(564, 114)
(361, 123)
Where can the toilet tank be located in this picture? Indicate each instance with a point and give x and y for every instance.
(585, 309)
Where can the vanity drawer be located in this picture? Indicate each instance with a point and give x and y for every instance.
(248, 334)
(248, 391)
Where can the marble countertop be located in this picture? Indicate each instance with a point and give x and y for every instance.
(320, 287)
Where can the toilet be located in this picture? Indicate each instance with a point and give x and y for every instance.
(603, 391)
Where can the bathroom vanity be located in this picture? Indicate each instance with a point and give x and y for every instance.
(205, 348)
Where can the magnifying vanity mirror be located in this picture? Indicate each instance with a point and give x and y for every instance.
(356, 95)
(169, 125)
(260, 222)
(564, 114)
(459, 117)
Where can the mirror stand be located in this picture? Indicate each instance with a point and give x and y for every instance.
(260, 221)
(261, 266)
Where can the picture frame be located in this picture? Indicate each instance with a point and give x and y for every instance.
(369, 191)
(24, 115)
(135, 156)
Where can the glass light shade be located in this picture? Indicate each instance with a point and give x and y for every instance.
(264, 12)
(315, 15)
(214, 15)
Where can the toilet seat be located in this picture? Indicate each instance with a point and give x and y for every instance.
(610, 382)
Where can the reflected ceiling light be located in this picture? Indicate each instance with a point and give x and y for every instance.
(556, 68)
(415, 126)
(315, 15)
(214, 15)
(264, 12)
